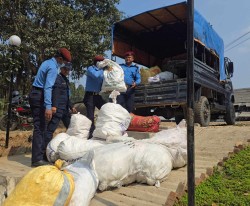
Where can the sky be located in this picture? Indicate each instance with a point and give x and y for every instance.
(229, 18)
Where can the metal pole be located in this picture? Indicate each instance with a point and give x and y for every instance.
(9, 109)
(190, 102)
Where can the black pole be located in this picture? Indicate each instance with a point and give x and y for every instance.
(190, 102)
(9, 106)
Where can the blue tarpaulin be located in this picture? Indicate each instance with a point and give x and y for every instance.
(204, 32)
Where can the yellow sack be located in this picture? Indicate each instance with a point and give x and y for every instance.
(43, 186)
(146, 73)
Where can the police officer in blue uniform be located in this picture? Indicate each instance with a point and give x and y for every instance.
(92, 98)
(40, 99)
(61, 104)
(132, 78)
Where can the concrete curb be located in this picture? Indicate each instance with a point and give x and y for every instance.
(7, 185)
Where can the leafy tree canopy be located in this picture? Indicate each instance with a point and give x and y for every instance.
(83, 26)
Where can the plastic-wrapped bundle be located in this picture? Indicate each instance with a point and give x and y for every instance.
(74, 148)
(144, 124)
(52, 148)
(45, 185)
(85, 178)
(122, 163)
(113, 76)
(113, 120)
(146, 73)
(175, 141)
(79, 126)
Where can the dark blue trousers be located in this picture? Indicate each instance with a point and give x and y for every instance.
(126, 99)
(36, 101)
(61, 114)
(91, 101)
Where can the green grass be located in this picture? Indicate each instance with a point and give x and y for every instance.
(228, 186)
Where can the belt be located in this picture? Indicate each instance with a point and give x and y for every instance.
(37, 88)
(93, 93)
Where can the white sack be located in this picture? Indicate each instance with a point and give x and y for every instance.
(113, 95)
(79, 126)
(167, 76)
(155, 78)
(122, 163)
(85, 179)
(175, 140)
(52, 148)
(113, 79)
(162, 76)
(74, 148)
(124, 138)
(112, 120)
(113, 164)
(153, 162)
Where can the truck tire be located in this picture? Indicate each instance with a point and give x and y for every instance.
(3, 123)
(202, 113)
(230, 114)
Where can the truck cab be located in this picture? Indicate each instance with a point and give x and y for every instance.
(158, 38)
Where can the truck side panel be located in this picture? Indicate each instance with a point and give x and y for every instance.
(173, 92)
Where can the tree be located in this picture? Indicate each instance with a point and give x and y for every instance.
(83, 26)
(76, 94)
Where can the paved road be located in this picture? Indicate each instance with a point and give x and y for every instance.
(211, 145)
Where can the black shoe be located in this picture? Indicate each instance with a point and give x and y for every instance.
(40, 163)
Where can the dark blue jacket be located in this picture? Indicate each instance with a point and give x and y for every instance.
(60, 93)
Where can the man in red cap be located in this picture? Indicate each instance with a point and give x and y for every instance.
(40, 99)
(132, 78)
(92, 98)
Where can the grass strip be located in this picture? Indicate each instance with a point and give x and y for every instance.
(228, 186)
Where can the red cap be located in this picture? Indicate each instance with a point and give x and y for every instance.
(98, 58)
(129, 53)
(65, 54)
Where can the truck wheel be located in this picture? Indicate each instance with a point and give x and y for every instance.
(202, 112)
(230, 114)
(3, 123)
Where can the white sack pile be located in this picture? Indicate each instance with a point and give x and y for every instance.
(73, 144)
(105, 164)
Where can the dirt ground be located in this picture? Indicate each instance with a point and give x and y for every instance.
(18, 140)
(21, 139)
